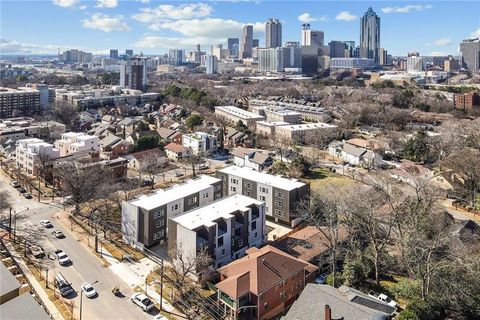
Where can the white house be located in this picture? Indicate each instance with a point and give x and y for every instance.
(77, 142)
(200, 142)
(255, 159)
(30, 151)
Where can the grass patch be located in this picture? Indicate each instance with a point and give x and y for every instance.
(321, 177)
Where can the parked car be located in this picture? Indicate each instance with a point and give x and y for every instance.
(229, 161)
(88, 289)
(27, 195)
(58, 234)
(36, 251)
(384, 298)
(321, 279)
(62, 257)
(22, 190)
(178, 174)
(142, 301)
(62, 285)
(46, 223)
(15, 184)
(147, 183)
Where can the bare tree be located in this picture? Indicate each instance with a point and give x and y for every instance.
(152, 167)
(5, 200)
(81, 181)
(65, 113)
(193, 160)
(44, 164)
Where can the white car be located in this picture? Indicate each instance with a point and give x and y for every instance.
(15, 184)
(88, 289)
(46, 223)
(142, 301)
(384, 298)
(62, 257)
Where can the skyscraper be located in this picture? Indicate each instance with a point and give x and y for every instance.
(211, 64)
(232, 47)
(129, 52)
(133, 74)
(246, 42)
(178, 56)
(350, 47)
(113, 54)
(270, 59)
(273, 33)
(470, 49)
(370, 36)
(256, 43)
(383, 57)
(311, 37)
(337, 49)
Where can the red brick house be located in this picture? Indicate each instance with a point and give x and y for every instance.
(263, 283)
(466, 100)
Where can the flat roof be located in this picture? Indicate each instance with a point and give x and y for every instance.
(223, 208)
(9, 282)
(239, 112)
(262, 177)
(273, 123)
(308, 126)
(23, 307)
(175, 192)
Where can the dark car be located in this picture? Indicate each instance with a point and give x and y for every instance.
(22, 190)
(27, 195)
(147, 183)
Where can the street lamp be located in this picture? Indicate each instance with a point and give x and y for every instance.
(81, 300)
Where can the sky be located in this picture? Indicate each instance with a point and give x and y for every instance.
(42, 27)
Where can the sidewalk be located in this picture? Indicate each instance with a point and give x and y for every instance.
(459, 213)
(52, 309)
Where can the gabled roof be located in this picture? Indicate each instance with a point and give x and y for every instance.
(175, 147)
(143, 155)
(353, 150)
(265, 267)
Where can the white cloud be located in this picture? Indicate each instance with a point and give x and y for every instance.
(14, 47)
(346, 16)
(82, 7)
(159, 42)
(144, 1)
(306, 18)
(438, 53)
(65, 3)
(475, 34)
(107, 4)
(106, 23)
(170, 12)
(442, 42)
(406, 9)
(215, 29)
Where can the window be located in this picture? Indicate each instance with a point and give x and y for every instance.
(283, 295)
(220, 241)
(175, 207)
(192, 201)
(265, 305)
(279, 203)
(158, 214)
(160, 223)
(218, 196)
(254, 225)
(280, 195)
(158, 235)
(240, 243)
(248, 186)
(217, 187)
(233, 189)
(261, 198)
(223, 252)
(205, 195)
(235, 181)
(279, 213)
(284, 282)
(256, 234)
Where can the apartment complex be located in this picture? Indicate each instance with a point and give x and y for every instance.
(144, 220)
(19, 103)
(29, 152)
(233, 114)
(262, 284)
(133, 74)
(464, 101)
(300, 133)
(77, 143)
(200, 142)
(20, 128)
(225, 229)
(470, 49)
(281, 196)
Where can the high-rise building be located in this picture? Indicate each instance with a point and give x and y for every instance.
(292, 56)
(178, 56)
(216, 50)
(370, 36)
(232, 44)
(256, 43)
(415, 63)
(350, 47)
(451, 64)
(114, 54)
(133, 74)
(129, 52)
(19, 103)
(211, 64)
(470, 49)
(310, 60)
(75, 56)
(311, 37)
(273, 33)
(337, 49)
(246, 42)
(383, 57)
(270, 59)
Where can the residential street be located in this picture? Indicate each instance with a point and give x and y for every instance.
(85, 267)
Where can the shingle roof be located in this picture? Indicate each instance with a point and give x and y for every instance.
(175, 147)
(142, 155)
(353, 150)
(265, 267)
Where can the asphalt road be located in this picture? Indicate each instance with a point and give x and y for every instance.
(85, 267)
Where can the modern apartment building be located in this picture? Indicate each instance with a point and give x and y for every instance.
(22, 102)
(311, 37)
(246, 42)
(133, 74)
(415, 63)
(144, 220)
(273, 33)
(281, 195)
(465, 101)
(300, 133)
(29, 152)
(233, 45)
(470, 49)
(225, 229)
(77, 143)
(211, 64)
(370, 36)
(233, 114)
(200, 142)
(270, 60)
(351, 63)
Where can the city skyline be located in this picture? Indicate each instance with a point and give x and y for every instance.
(153, 27)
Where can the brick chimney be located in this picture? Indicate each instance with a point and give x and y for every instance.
(328, 313)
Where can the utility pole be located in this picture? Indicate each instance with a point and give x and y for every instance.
(81, 303)
(10, 224)
(161, 285)
(46, 278)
